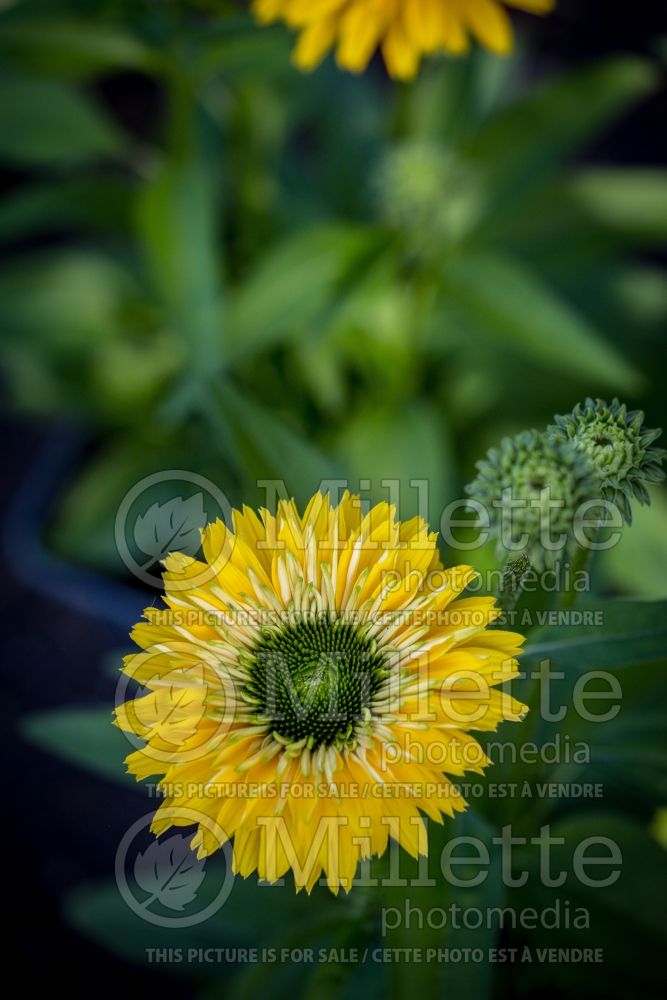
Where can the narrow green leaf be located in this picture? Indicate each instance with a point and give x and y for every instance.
(523, 143)
(475, 979)
(451, 97)
(177, 222)
(638, 563)
(85, 737)
(83, 526)
(509, 304)
(90, 204)
(63, 298)
(73, 49)
(611, 633)
(414, 919)
(237, 50)
(625, 918)
(633, 202)
(53, 124)
(252, 915)
(266, 448)
(406, 445)
(296, 285)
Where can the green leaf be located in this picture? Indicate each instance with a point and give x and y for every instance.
(451, 97)
(66, 299)
(264, 447)
(418, 922)
(622, 297)
(73, 49)
(236, 49)
(640, 292)
(321, 365)
(522, 144)
(440, 104)
(77, 339)
(97, 911)
(177, 215)
(626, 918)
(625, 746)
(52, 124)
(506, 302)
(83, 527)
(296, 286)
(633, 202)
(461, 979)
(410, 444)
(626, 641)
(98, 205)
(638, 563)
(85, 737)
(623, 633)
(254, 914)
(329, 926)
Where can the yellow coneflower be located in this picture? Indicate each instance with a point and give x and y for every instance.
(405, 30)
(312, 686)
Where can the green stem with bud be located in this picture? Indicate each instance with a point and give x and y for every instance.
(513, 576)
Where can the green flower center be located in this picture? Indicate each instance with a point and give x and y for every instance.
(529, 483)
(609, 447)
(315, 680)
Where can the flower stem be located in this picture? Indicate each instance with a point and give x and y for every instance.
(579, 564)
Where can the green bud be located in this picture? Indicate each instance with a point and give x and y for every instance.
(427, 194)
(618, 448)
(532, 489)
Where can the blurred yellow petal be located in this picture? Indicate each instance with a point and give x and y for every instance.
(400, 55)
(453, 35)
(422, 20)
(359, 35)
(314, 42)
(404, 29)
(489, 22)
(299, 13)
(267, 11)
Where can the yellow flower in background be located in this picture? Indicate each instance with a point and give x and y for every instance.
(312, 686)
(405, 30)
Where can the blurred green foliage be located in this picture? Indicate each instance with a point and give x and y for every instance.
(221, 264)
